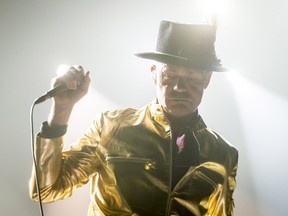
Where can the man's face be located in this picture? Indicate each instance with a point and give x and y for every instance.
(179, 89)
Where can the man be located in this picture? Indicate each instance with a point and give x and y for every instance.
(158, 160)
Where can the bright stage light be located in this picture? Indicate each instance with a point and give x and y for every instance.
(233, 76)
(62, 69)
(264, 120)
(214, 10)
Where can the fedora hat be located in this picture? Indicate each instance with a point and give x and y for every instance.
(188, 45)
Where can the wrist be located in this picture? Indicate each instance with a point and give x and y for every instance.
(59, 115)
(54, 131)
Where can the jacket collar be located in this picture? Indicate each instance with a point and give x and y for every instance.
(157, 114)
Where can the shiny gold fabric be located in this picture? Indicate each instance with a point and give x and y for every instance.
(127, 155)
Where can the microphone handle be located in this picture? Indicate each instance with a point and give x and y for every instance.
(51, 93)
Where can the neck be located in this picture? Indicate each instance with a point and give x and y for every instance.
(183, 121)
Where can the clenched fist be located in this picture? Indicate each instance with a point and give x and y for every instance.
(77, 82)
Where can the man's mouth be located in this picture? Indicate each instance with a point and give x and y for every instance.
(180, 99)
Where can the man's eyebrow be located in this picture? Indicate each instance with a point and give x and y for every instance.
(170, 67)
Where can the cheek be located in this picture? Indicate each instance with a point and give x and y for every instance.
(197, 95)
(196, 90)
(161, 93)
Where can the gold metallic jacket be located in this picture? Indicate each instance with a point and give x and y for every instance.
(127, 155)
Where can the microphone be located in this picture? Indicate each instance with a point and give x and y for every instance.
(51, 93)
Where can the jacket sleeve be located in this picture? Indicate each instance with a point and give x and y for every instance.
(60, 172)
(221, 202)
(232, 182)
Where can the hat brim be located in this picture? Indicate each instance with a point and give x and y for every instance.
(178, 60)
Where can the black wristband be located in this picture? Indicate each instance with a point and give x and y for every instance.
(52, 131)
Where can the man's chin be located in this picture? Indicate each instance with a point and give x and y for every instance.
(180, 112)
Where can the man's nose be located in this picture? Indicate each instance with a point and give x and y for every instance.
(180, 85)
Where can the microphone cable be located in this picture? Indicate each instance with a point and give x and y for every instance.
(34, 157)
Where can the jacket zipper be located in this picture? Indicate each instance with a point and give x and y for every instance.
(168, 207)
(148, 163)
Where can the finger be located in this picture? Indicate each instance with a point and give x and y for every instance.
(76, 70)
(85, 82)
(72, 76)
(79, 68)
(86, 77)
(74, 73)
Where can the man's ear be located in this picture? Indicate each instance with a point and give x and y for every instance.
(153, 72)
(207, 79)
